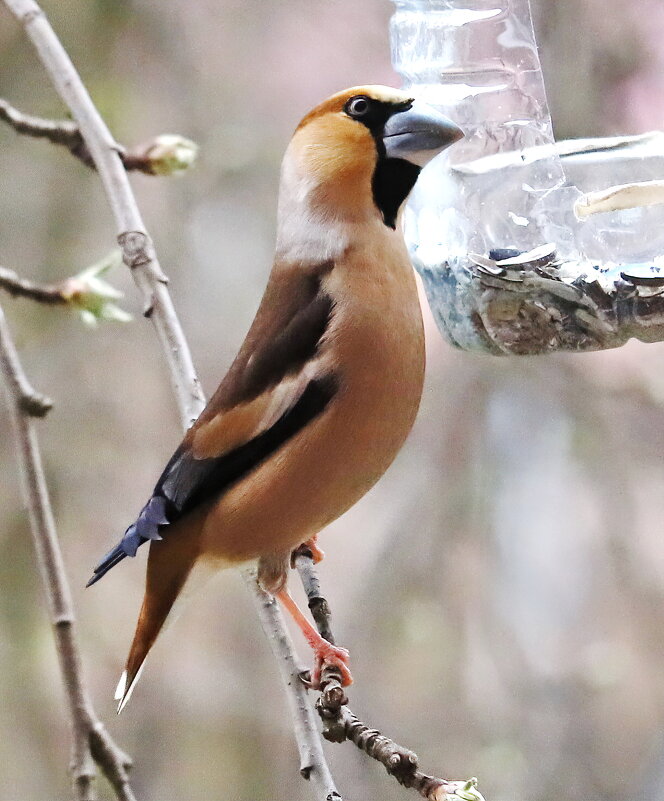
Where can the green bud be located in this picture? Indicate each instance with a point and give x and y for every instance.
(93, 297)
(170, 153)
(466, 791)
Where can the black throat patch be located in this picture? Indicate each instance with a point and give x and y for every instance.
(391, 183)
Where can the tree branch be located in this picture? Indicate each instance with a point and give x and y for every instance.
(86, 292)
(90, 739)
(18, 287)
(28, 400)
(313, 765)
(59, 132)
(340, 724)
(139, 255)
(318, 605)
(162, 155)
(135, 242)
(398, 761)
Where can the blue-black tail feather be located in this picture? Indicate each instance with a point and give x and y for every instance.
(110, 560)
(146, 528)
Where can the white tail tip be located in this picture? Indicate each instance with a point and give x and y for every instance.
(122, 684)
(122, 692)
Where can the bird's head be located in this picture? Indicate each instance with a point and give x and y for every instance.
(361, 150)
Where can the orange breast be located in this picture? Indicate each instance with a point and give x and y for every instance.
(376, 348)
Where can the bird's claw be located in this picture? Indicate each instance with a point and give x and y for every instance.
(317, 554)
(305, 678)
(308, 548)
(328, 655)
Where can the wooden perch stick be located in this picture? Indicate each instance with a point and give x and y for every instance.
(617, 198)
(91, 741)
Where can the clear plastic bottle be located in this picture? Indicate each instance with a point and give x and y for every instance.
(477, 61)
(502, 191)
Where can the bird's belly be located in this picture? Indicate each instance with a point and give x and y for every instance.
(299, 491)
(335, 460)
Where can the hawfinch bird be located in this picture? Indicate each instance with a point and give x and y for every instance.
(326, 386)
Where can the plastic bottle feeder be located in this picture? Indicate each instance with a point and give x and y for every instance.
(525, 245)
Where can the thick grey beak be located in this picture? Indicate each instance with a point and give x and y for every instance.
(418, 134)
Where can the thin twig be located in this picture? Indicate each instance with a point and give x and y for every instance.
(340, 724)
(91, 742)
(18, 287)
(86, 292)
(59, 132)
(139, 256)
(332, 694)
(398, 761)
(318, 605)
(313, 765)
(29, 401)
(144, 158)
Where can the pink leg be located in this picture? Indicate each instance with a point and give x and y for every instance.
(311, 545)
(324, 652)
(317, 553)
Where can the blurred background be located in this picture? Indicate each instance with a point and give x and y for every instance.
(501, 590)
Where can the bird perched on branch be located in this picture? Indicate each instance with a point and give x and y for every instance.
(327, 383)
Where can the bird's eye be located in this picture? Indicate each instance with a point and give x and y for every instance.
(357, 106)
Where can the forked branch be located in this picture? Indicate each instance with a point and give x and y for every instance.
(91, 741)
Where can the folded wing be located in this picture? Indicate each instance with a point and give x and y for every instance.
(276, 386)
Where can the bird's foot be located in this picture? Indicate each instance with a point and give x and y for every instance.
(309, 547)
(328, 655)
(325, 654)
(317, 554)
